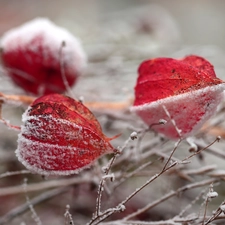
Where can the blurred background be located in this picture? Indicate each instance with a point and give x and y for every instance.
(118, 35)
(198, 22)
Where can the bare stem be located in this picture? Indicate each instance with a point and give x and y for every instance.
(45, 185)
(101, 185)
(62, 68)
(169, 195)
(25, 207)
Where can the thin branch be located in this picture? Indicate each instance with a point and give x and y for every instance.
(109, 212)
(217, 213)
(174, 149)
(27, 100)
(62, 68)
(201, 150)
(211, 149)
(197, 198)
(45, 185)
(34, 216)
(68, 216)
(101, 185)
(25, 207)
(13, 173)
(129, 175)
(169, 195)
(201, 170)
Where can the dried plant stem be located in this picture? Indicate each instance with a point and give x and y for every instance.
(197, 198)
(120, 206)
(101, 186)
(25, 207)
(109, 212)
(201, 150)
(108, 105)
(35, 217)
(13, 173)
(131, 174)
(13, 127)
(5, 121)
(27, 100)
(172, 121)
(102, 182)
(45, 185)
(200, 171)
(205, 210)
(62, 68)
(97, 215)
(164, 222)
(169, 195)
(171, 155)
(215, 215)
(19, 99)
(68, 216)
(212, 150)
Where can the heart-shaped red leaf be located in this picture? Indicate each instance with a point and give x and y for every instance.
(164, 77)
(60, 136)
(184, 92)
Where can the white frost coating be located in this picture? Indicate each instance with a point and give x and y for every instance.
(222, 207)
(121, 207)
(109, 176)
(133, 135)
(218, 173)
(45, 126)
(48, 118)
(49, 160)
(53, 36)
(35, 155)
(162, 121)
(35, 152)
(182, 108)
(212, 194)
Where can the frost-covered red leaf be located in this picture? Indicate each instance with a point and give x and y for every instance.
(187, 89)
(60, 136)
(33, 57)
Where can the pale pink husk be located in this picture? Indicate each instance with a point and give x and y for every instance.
(182, 109)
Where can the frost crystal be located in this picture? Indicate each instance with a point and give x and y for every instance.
(212, 194)
(222, 207)
(109, 176)
(133, 135)
(162, 121)
(121, 208)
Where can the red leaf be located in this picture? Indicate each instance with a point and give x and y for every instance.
(60, 136)
(33, 57)
(184, 92)
(163, 77)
